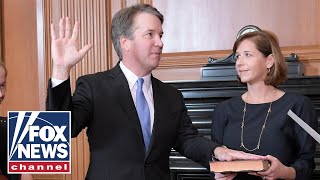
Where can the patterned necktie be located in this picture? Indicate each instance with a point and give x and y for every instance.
(143, 113)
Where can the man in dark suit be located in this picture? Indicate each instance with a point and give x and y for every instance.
(124, 143)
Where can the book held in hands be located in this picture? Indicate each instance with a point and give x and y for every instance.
(239, 166)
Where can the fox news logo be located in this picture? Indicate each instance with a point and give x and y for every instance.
(39, 142)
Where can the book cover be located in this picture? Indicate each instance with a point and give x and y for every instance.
(239, 166)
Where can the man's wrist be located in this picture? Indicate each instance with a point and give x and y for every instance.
(60, 73)
(290, 173)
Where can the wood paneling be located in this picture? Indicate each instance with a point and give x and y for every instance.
(187, 65)
(20, 54)
(204, 25)
(94, 28)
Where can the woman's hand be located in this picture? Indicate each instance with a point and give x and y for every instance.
(224, 176)
(277, 170)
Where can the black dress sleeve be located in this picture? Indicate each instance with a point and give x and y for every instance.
(3, 151)
(3, 145)
(219, 121)
(304, 163)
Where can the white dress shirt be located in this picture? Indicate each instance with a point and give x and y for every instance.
(146, 88)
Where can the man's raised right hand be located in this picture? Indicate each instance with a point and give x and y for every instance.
(64, 48)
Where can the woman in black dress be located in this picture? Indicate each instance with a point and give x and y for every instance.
(257, 121)
(3, 134)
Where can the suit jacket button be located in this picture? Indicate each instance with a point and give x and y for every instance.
(145, 165)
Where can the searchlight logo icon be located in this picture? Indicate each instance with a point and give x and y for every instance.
(39, 142)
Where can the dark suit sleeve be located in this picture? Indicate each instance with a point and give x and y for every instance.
(304, 164)
(59, 99)
(189, 143)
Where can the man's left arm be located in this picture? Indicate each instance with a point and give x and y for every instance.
(189, 142)
(201, 149)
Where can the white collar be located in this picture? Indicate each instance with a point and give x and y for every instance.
(132, 78)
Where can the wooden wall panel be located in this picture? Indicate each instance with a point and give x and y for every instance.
(187, 65)
(205, 25)
(20, 54)
(94, 28)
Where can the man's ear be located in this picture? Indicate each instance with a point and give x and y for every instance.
(125, 43)
(270, 61)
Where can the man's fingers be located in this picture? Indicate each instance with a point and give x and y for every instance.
(68, 28)
(53, 32)
(229, 155)
(61, 28)
(85, 49)
(75, 32)
(243, 155)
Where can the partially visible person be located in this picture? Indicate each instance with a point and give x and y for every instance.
(133, 120)
(3, 134)
(257, 122)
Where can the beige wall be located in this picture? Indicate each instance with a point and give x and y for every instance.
(205, 25)
(194, 30)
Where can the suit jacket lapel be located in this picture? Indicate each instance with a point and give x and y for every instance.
(125, 98)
